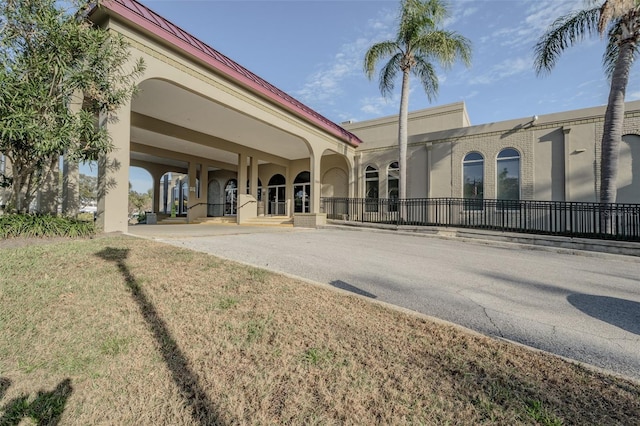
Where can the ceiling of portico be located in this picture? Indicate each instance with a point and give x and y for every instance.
(172, 107)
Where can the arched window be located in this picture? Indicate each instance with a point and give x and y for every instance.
(473, 179)
(393, 173)
(276, 193)
(508, 174)
(371, 182)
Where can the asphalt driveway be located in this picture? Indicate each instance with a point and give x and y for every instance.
(580, 307)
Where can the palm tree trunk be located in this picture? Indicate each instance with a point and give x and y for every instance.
(613, 125)
(612, 134)
(403, 123)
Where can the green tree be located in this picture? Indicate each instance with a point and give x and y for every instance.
(139, 202)
(619, 22)
(419, 41)
(60, 75)
(88, 189)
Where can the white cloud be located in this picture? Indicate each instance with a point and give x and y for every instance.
(538, 17)
(504, 69)
(472, 94)
(325, 85)
(378, 105)
(633, 96)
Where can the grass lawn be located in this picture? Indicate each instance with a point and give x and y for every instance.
(117, 330)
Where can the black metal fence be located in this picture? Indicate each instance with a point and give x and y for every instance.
(576, 219)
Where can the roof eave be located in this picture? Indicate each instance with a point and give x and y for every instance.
(232, 70)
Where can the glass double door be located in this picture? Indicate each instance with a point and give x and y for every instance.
(277, 200)
(301, 200)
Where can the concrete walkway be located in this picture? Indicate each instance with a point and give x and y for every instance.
(581, 307)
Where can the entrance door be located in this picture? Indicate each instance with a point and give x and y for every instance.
(302, 192)
(230, 198)
(276, 195)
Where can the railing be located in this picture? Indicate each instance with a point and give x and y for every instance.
(576, 219)
(213, 210)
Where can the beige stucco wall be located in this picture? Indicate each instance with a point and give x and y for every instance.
(559, 155)
(379, 132)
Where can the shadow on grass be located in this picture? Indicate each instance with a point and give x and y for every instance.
(45, 409)
(202, 408)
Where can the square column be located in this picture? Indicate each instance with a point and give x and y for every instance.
(113, 175)
(316, 186)
(70, 187)
(253, 178)
(196, 204)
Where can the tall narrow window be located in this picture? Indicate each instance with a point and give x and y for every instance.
(508, 174)
(473, 180)
(301, 192)
(371, 188)
(231, 197)
(393, 173)
(276, 193)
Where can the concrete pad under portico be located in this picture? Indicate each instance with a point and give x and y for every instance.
(566, 304)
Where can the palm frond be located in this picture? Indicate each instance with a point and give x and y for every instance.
(444, 46)
(388, 74)
(376, 53)
(426, 73)
(563, 33)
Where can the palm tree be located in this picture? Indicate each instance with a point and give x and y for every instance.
(418, 42)
(620, 21)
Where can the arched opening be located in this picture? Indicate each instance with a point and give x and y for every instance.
(508, 175)
(174, 193)
(473, 180)
(393, 173)
(231, 197)
(334, 175)
(276, 194)
(371, 190)
(302, 192)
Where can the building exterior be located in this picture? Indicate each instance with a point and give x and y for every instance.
(235, 145)
(551, 157)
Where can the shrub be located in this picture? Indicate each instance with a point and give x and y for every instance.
(38, 225)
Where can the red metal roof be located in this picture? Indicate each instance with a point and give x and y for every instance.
(144, 17)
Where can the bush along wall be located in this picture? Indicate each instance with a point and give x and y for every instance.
(30, 225)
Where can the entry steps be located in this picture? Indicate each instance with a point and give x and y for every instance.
(231, 220)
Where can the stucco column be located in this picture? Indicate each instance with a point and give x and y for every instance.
(253, 178)
(289, 191)
(428, 147)
(113, 174)
(156, 176)
(316, 188)
(70, 171)
(70, 187)
(567, 165)
(48, 194)
(355, 176)
(242, 173)
(195, 204)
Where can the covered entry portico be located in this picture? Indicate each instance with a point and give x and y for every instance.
(199, 113)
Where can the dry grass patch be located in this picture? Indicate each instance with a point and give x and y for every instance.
(125, 331)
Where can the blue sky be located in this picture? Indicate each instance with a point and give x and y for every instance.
(314, 50)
